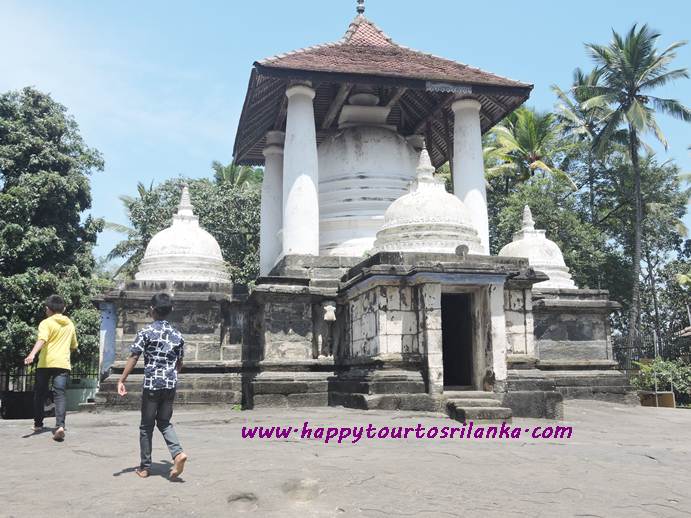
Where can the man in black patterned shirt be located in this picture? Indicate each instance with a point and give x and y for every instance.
(162, 346)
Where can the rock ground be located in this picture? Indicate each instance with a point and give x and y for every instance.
(621, 461)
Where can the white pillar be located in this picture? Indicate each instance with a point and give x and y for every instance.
(272, 202)
(300, 175)
(468, 165)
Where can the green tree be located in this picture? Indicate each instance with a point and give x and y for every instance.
(526, 141)
(581, 120)
(45, 242)
(238, 176)
(631, 68)
(664, 204)
(585, 248)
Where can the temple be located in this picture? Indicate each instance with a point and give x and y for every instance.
(376, 288)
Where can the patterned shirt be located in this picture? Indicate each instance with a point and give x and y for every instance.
(162, 346)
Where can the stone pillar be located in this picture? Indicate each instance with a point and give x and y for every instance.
(468, 165)
(300, 175)
(498, 331)
(272, 202)
(430, 302)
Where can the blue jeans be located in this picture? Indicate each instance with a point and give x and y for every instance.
(157, 407)
(60, 379)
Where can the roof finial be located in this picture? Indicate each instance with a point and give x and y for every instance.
(425, 169)
(185, 208)
(528, 223)
(361, 7)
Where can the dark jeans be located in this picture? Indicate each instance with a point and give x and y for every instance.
(157, 407)
(60, 379)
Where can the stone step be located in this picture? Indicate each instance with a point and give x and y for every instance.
(490, 413)
(468, 394)
(478, 402)
(110, 398)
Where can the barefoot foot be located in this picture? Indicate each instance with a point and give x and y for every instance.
(59, 434)
(141, 472)
(178, 465)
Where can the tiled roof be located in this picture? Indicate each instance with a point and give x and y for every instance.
(366, 49)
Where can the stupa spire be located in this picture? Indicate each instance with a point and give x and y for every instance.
(360, 7)
(528, 223)
(425, 169)
(185, 208)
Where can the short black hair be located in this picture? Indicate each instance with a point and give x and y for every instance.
(55, 303)
(162, 304)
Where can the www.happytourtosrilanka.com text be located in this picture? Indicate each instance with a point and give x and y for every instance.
(354, 434)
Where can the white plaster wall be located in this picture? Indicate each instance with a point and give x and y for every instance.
(362, 170)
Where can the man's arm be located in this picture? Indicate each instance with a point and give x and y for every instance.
(74, 345)
(129, 366)
(181, 355)
(32, 355)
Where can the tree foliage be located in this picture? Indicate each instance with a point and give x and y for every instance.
(45, 243)
(632, 68)
(621, 228)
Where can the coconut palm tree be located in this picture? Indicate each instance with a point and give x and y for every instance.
(131, 248)
(241, 176)
(582, 121)
(632, 67)
(525, 142)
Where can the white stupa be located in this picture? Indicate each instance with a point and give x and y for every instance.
(184, 251)
(542, 254)
(427, 219)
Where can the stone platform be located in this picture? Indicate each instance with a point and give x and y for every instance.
(370, 334)
(621, 462)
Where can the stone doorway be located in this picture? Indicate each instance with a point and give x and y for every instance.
(457, 339)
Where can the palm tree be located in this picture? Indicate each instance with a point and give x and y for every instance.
(241, 176)
(524, 142)
(631, 67)
(131, 248)
(582, 121)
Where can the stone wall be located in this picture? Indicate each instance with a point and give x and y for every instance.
(212, 331)
(518, 308)
(572, 325)
(212, 320)
(286, 329)
(384, 320)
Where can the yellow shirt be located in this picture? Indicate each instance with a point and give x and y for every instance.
(60, 337)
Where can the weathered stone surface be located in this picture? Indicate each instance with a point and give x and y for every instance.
(208, 350)
(534, 403)
(311, 399)
(480, 414)
(269, 400)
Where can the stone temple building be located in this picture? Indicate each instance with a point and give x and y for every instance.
(377, 289)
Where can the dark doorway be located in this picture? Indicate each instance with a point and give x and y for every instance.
(457, 339)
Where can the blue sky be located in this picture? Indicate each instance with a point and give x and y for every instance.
(158, 86)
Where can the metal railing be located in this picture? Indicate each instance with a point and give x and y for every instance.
(668, 346)
(23, 378)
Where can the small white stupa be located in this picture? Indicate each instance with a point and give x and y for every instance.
(184, 251)
(542, 254)
(427, 219)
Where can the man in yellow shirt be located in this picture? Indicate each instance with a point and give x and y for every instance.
(56, 339)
